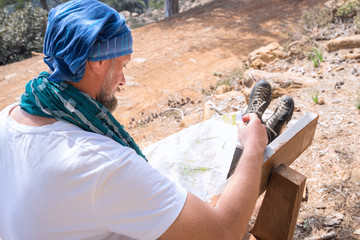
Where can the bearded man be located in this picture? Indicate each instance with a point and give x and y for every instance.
(68, 168)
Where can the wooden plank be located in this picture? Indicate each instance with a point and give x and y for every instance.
(279, 210)
(288, 146)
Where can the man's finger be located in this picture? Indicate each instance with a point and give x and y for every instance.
(249, 117)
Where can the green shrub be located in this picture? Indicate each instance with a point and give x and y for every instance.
(357, 100)
(349, 9)
(156, 4)
(129, 5)
(315, 96)
(316, 18)
(21, 33)
(316, 57)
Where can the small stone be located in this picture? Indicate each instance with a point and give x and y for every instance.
(333, 219)
(9, 76)
(222, 89)
(335, 168)
(355, 175)
(125, 13)
(357, 231)
(329, 235)
(322, 71)
(139, 60)
(229, 95)
(190, 119)
(339, 84)
(192, 60)
(207, 113)
(339, 69)
(321, 101)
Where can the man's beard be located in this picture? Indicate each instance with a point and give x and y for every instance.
(106, 96)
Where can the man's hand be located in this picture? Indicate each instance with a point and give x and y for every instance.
(253, 134)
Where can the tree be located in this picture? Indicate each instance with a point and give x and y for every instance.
(171, 7)
(44, 5)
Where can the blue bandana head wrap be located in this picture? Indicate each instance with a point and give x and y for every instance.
(80, 31)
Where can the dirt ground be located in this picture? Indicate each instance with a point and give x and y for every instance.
(177, 59)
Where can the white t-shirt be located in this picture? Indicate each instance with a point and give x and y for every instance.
(61, 182)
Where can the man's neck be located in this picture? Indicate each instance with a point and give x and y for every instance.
(25, 118)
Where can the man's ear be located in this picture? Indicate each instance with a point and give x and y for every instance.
(96, 67)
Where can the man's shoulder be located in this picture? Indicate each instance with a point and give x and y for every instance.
(89, 143)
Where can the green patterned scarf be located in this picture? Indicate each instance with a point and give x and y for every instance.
(62, 101)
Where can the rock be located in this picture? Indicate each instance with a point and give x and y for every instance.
(258, 58)
(343, 42)
(139, 60)
(355, 175)
(321, 101)
(130, 81)
(189, 120)
(126, 14)
(338, 69)
(339, 84)
(228, 95)
(333, 219)
(357, 231)
(258, 64)
(281, 82)
(321, 71)
(329, 235)
(352, 56)
(35, 54)
(124, 119)
(330, 5)
(134, 14)
(207, 113)
(222, 89)
(9, 76)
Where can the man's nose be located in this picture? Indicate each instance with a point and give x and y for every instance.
(123, 80)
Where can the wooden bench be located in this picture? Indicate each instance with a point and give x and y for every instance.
(284, 186)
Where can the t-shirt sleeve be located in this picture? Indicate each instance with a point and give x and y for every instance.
(136, 200)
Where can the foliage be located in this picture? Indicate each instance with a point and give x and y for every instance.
(316, 18)
(316, 57)
(233, 78)
(20, 33)
(156, 4)
(357, 22)
(129, 5)
(3, 3)
(349, 9)
(357, 100)
(315, 96)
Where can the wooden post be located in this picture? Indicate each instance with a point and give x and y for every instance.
(278, 213)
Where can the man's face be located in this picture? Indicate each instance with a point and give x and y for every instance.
(113, 80)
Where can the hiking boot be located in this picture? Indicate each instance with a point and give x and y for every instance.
(259, 99)
(282, 115)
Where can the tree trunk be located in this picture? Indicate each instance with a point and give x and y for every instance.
(44, 5)
(171, 7)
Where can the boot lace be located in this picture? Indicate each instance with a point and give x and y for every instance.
(281, 107)
(261, 93)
